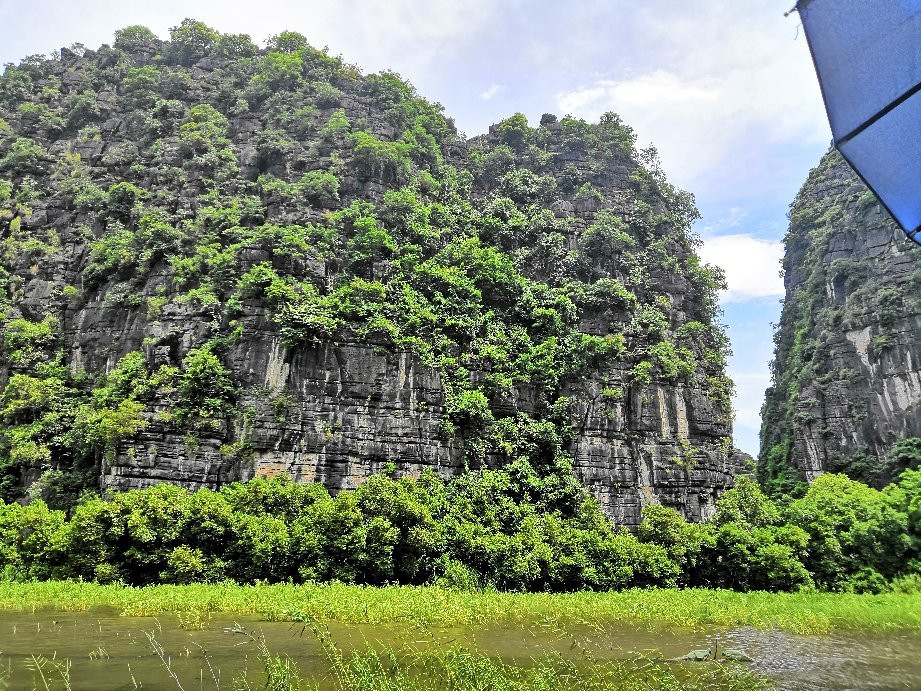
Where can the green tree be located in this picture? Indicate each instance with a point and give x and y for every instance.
(133, 37)
(857, 538)
(27, 343)
(905, 454)
(605, 242)
(206, 391)
(279, 70)
(377, 158)
(235, 46)
(683, 541)
(191, 41)
(23, 156)
(288, 42)
(514, 131)
(141, 84)
(746, 505)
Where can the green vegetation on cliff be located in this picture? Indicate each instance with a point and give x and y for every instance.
(163, 205)
(202, 188)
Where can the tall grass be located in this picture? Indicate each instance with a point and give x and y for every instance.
(447, 667)
(461, 669)
(688, 609)
(457, 668)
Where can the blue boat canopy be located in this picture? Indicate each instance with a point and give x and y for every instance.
(867, 55)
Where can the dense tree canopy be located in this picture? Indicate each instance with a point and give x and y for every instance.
(514, 529)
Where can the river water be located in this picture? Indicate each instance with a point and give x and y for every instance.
(107, 651)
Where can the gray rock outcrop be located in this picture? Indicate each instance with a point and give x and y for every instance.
(650, 424)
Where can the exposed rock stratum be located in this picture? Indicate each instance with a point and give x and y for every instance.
(222, 262)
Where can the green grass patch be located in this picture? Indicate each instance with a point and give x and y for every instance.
(690, 609)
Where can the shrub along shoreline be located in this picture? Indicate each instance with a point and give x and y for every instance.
(696, 608)
(510, 530)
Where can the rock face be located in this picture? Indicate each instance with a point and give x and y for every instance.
(847, 367)
(341, 262)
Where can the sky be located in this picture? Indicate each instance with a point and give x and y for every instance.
(725, 90)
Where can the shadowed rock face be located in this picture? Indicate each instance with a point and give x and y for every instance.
(847, 366)
(337, 408)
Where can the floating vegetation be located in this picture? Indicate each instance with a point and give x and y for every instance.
(99, 653)
(193, 619)
(736, 655)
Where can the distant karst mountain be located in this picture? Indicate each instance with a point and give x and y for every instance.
(847, 366)
(220, 261)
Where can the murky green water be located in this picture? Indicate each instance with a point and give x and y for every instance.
(107, 651)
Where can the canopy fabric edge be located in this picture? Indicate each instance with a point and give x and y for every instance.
(913, 234)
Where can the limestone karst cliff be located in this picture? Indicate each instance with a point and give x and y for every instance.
(221, 261)
(847, 366)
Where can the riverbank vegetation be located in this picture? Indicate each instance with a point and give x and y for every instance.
(517, 529)
(657, 608)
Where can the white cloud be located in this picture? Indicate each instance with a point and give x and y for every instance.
(726, 88)
(403, 35)
(491, 91)
(708, 128)
(752, 265)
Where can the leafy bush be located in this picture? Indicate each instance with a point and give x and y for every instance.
(23, 156)
(514, 131)
(905, 454)
(122, 249)
(40, 118)
(191, 41)
(206, 391)
(379, 159)
(27, 343)
(54, 422)
(131, 38)
(141, 84)
(326, 95)
(288, 42)
(123, 197)
(279, 70)
(236, 46)
(320, 188)
(337, 127)
(477, 530)
(857, 539)
(204, 128)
